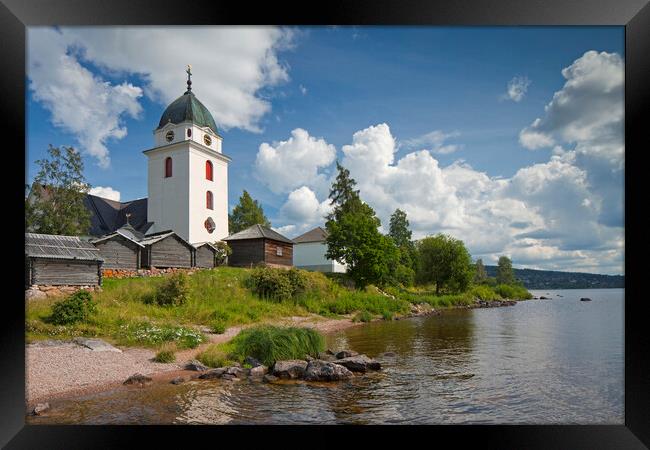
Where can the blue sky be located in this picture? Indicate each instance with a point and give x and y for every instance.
(547, 193)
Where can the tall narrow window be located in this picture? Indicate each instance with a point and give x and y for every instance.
(208, 200)
(168, 167)
(208, 170)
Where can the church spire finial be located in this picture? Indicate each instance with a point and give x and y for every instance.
(189, 78)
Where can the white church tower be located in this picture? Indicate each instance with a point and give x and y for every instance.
(188, 173)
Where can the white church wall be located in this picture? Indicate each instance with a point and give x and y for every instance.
(198, 186)
(167, 204)
(180, 134)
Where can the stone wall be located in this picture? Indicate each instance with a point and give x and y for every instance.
(154, 272)
(43, 291)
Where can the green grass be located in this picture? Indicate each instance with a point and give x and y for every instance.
(513, 292)
(267, 344)
(166, 354)
(219, 298)
(362, 316)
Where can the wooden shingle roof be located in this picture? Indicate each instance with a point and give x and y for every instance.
(60, 247)
(256, 232)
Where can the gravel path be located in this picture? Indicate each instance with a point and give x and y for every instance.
(53, 370)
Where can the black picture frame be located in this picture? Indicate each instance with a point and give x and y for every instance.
(15, 15)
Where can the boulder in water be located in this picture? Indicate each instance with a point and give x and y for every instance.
(346, 354)
(196, 365)
(138, 378)
(359, 363)
(318, 370)
(289, 369)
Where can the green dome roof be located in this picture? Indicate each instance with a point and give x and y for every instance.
(188, 107)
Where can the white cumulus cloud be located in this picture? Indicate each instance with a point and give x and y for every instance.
(81, 103)
(105, 192)
(517, 88)
(230, 68)
(435, 142)
(285, 165)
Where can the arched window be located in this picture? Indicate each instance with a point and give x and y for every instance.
(208, 170)
(168, 167)
(208, 200)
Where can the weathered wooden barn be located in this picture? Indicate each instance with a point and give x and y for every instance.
(61, 260)
(166, 249)
(260, 245)
(205, 256)
(121, 249)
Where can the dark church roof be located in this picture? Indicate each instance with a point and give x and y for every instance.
(188, 108)
(256, 232)
(109, 215)
(318, 234)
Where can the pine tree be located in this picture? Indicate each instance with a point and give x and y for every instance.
(353, 238)
(55, 204)
(248, 212)
(343, 195)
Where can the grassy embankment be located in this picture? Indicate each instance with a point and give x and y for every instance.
(222, 298)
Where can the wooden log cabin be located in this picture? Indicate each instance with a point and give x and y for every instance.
(260, 245)
(205, 256)
(53, 260)
(121, 249)
(166, 249)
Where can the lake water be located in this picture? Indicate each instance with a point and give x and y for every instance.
(538, 362)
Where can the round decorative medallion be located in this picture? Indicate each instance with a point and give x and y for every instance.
(209, 225)
(207, 139)
(170, 136)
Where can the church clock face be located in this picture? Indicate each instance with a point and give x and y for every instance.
(169, 136)
(209, 225)
(207, 139)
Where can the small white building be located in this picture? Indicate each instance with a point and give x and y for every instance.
(309, 252)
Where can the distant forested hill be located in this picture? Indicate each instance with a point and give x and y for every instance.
(549, 279)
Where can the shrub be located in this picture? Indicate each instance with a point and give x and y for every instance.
(277, 284)
(173, 291)
(484, 292)
(387, 315)
(76, 308)
(218, 326)
(223, 252)
(166, 353)
(214, 356)
(269, 343)
(362, 316)
(513, 291)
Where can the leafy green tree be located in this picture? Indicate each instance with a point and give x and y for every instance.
(480, 274)
(505, 274)
(399, 228)
(353, 237)
(248, 212)
(444, 261)
(55, 204)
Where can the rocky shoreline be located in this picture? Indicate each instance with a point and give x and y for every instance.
(63, 369)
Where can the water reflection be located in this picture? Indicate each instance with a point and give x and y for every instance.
(555, 361)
